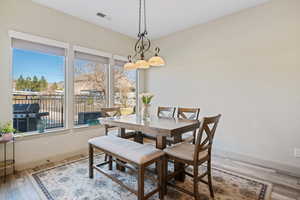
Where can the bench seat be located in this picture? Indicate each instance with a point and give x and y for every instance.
(132, 151)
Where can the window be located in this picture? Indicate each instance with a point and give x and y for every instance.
(124, 88)
(38, 86)
(90, 86)
(40, 77)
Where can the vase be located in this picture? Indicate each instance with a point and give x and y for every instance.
(145, 112)
(7, 136)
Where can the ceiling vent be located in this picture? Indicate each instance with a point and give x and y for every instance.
(99, 14)
(102, 15)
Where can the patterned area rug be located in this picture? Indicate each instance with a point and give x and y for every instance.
(70, 181)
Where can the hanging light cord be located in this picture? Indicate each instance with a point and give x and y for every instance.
(145, 21)
(142, 8)
(140, 16)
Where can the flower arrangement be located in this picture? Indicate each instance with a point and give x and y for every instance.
(146, 98)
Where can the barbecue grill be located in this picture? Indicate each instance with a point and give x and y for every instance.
(26, 116)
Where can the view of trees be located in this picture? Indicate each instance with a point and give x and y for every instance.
(31, 84)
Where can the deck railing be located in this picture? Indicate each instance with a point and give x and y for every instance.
(54, 105)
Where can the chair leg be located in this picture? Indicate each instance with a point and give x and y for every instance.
(194, 137)
(165, 175)
(110, 164)
(141, 171)
(106, 133)
(211, 190)
(91, 161)
(195, 184)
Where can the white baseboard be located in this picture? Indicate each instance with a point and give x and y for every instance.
(267, 165)
(276, 196)
(57, 158)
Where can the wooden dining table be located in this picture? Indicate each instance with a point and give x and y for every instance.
(158, 127)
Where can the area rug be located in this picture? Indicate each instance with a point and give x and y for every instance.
(69, 181)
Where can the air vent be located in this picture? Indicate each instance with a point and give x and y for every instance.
(99, 14)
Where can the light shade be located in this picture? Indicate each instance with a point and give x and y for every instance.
(156, 61)
(142, 64)
(130, 66)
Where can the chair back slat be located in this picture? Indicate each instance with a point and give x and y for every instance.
(111, 112)
(188, 113)
(166, 112)
(205, 135)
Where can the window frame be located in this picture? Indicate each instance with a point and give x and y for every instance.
(69, 76)
(93, 52)
(49, 42)
(137, 82)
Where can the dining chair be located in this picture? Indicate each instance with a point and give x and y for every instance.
(190, 114)
(112, 130)
(166, 112)
(194, 155)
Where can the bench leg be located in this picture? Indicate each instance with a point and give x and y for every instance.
(160, 170)
(91, 161)
(141, 172)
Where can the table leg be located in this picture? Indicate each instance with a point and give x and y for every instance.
(14, 157)
(4, 162)
(161, 143)
(119, 167)
(179, 166)
(139, 137)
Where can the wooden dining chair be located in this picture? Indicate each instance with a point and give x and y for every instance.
(166, 112)
(194, 155)
(190, 114)
(115, 112)
(112, 130)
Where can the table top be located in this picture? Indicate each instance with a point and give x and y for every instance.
(155, 125)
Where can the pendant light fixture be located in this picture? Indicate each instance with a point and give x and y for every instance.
(143, 46)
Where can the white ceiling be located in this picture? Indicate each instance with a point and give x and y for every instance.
(164, 16)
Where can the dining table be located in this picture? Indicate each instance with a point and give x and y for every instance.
(159, 127)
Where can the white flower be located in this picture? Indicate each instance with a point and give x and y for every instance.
(146, 97)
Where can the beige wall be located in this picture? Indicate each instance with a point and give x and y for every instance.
(28, 17)
(246, 67)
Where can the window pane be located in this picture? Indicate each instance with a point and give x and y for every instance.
(124, 88)
(90, 77)
(38, 90)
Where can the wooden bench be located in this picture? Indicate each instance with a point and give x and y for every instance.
(125, 151)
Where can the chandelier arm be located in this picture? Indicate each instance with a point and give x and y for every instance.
(137, 48)
(149, 44)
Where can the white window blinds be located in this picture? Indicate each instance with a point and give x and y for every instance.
(32, 46)
(120, 63)
(92, 58)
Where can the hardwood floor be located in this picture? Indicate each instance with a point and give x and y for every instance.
(284, 187)
(19, 186)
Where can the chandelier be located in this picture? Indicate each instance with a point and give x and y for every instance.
(143, 46)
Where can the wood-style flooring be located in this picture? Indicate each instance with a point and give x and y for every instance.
(19, 186)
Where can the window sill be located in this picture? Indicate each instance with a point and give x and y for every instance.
(84, 127)
(34, 135)
(53, 132)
